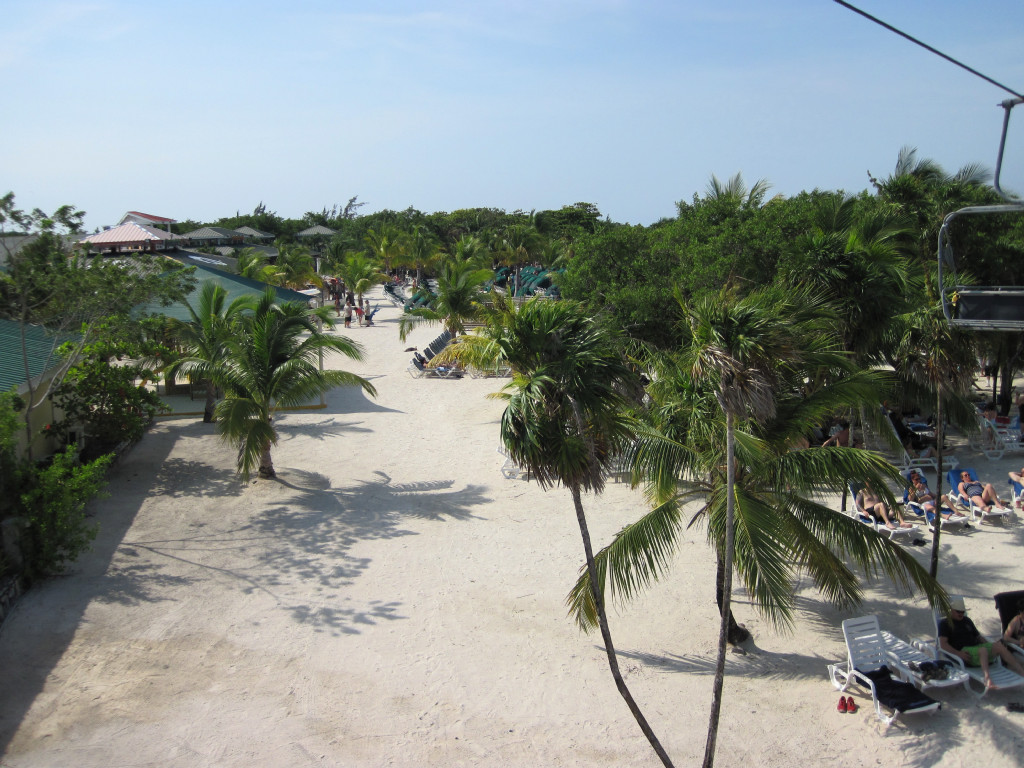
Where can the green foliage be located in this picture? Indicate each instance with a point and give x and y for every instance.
(105, 400)
(273, 360)
(54, 504)
(10, 466)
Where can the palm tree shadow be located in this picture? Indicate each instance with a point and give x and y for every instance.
(352, 400)
(304, 543)
(288, 429)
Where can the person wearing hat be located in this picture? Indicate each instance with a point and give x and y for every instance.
(959, 636)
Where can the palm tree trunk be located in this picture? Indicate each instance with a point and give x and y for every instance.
(737, 634)
(266, 463)
(211, 401)
(723, 633)
(602, 620)
(933, 569)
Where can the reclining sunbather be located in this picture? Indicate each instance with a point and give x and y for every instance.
(869, 502)
(919, 493)
(959, 636)
(1015, 629)
(982, 494)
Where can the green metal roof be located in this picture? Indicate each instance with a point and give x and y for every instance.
(40, 347)
(235, 285)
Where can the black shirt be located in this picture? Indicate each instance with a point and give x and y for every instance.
(960, 633)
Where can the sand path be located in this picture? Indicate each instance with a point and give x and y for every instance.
(393, 601)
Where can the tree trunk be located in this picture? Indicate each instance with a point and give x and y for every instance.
(211, 401)
(266, 463)
(723, 632)
(602, 620)
(737, 634)
(933, 569)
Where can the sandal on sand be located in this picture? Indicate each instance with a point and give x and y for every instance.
(1015, 706)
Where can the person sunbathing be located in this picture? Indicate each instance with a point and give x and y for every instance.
(1015, 629)
(959, 637)
(982, 494)
(869, 502)
(921, 494)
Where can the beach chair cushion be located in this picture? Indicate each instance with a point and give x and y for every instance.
(895, 694)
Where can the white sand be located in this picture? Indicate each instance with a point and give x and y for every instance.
(394, 601)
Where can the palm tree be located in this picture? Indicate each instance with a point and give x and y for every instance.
(564, 420)
(295, 265)
(254, 265)
(421, 250)
(459, 289)
(273, 361)
(857, 261)
(736, 193)
(360, 273)
(204, 339)
(937, 361)
(751, 372)
(386, 243)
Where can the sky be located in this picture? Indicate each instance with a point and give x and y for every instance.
(198, 110)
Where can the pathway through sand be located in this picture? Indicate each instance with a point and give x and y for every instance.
(392, 600)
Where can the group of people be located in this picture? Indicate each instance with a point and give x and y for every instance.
(981, 494)
(346, 304)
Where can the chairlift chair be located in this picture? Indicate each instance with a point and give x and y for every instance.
(981, 307)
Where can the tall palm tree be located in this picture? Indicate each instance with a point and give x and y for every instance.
(751, 373)
(274, 361)
(459, 292)
(937, 362)
(564, 420)
(204, 339)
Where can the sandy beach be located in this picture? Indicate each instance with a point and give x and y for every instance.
(392, 600)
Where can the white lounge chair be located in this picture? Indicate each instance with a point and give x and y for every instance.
(859, 514)
(868, 664)
(1002, 677)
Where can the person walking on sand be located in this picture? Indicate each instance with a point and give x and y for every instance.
(348, 315)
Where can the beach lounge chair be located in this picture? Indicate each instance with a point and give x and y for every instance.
(976, 508)
(906, 462)
(1006, 604)
(1016, 491)
(857, 513)
(1002, 677)
(920, 667)
(916, 511)
(869, 665)
(510, 470)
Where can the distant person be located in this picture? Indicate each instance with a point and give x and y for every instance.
(841, 438)
(348, 315)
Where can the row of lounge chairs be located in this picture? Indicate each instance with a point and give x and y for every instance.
(897, 673)
(967, 509)
(421, 368)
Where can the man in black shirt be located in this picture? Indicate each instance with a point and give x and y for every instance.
(959, 636)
